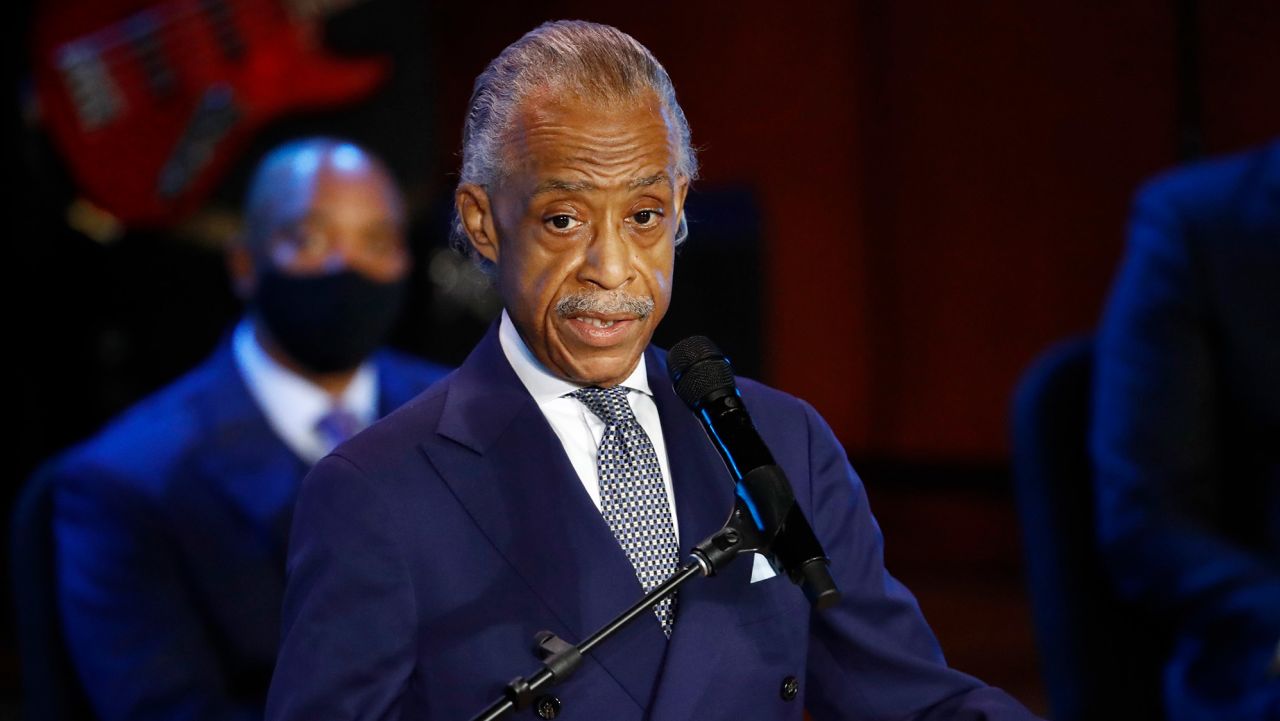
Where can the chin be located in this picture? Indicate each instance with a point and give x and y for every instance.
(609, 371)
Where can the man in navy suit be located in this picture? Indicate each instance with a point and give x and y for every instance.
(1186, 433)
(428, 550)
(171, 525)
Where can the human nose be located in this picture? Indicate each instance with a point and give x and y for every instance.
(352, 254)
(314, 250)
(338, 257)
(381, 259)
(608, 258)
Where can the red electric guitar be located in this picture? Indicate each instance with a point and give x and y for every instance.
(149, 103)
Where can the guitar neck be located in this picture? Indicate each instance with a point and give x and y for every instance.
(309, 10)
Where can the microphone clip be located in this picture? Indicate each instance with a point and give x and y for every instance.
(739, 535)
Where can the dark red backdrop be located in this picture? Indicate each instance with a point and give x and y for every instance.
(944, 188)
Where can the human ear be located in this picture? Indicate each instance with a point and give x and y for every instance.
(476, 213)
(241, 268)
(682, 190)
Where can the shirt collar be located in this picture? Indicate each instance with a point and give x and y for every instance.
(292, 403)
(540, 382)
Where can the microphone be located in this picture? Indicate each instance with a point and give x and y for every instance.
(703, 379)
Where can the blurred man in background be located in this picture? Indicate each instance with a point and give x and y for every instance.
(171, 525)
(1187, 431)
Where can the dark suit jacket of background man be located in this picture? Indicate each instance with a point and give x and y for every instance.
(428, 550)
(173, 524)
(1187, 425)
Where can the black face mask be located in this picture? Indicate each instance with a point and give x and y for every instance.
(327, 322)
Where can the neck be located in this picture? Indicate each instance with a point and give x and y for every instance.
(334, 383)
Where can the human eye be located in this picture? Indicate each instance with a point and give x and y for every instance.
(648, 217)
(561, 222)
(304, 238)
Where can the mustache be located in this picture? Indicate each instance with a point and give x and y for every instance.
(604, 302)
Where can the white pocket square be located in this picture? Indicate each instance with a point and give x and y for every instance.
(761, 570)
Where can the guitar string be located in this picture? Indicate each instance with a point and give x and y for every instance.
(207, 46)
(119, 34)
(118, 37)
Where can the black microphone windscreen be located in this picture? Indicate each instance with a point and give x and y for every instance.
(689, 351)
(698, 368)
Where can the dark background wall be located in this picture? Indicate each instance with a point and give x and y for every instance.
(936, 191)
(943, 185)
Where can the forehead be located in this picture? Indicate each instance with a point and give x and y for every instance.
(602, 143)
(337, 186)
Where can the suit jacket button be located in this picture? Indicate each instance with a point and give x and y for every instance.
(790, 687)
(547, 707)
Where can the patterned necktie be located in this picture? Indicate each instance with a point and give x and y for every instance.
(633, 497)
(336, 426)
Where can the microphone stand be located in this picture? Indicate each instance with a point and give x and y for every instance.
(560, 658)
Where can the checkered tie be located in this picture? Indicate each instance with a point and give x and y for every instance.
(633, 498)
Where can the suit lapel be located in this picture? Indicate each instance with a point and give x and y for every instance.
(707, 606)
(507, 467)
(249, 463)
(254, 468)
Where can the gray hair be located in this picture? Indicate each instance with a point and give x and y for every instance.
(587, 59)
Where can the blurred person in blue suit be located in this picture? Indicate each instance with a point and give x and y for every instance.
(555, 476)
(171, 524)
(1186, 431)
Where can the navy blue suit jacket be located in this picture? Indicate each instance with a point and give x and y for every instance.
(171, 527)
(1187, 429)
(428, 550)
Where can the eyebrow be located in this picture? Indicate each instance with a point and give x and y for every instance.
(569, 186)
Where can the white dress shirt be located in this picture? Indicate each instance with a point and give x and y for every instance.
(578, 429)
(294, 405)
